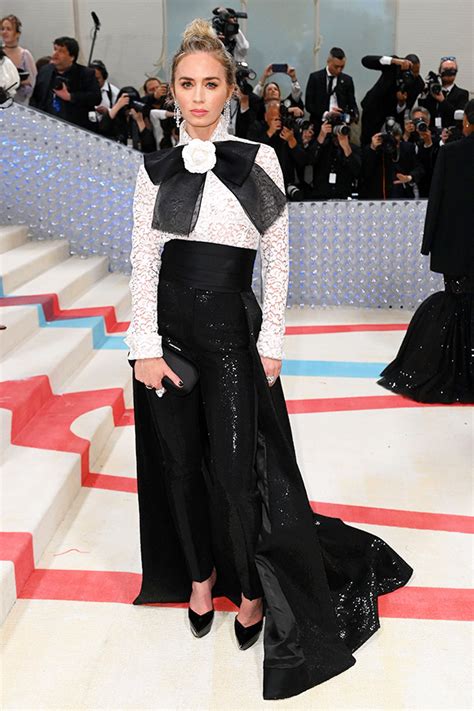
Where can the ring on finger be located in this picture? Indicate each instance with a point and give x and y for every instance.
(160, 392)
(271, 379)
(150, 387)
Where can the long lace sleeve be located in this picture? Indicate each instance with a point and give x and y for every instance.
(274, 258)
(142, 336)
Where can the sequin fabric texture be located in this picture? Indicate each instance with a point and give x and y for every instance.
(221, 220)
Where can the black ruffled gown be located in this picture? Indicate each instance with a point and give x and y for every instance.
(435, 362)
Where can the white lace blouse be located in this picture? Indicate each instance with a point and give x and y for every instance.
(221, 220)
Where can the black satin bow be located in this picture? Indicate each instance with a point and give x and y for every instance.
(179, 197)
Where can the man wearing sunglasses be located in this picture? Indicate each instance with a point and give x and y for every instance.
(451, 97)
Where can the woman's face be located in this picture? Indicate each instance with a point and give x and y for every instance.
(9, 35)
(272, 91)
(200, 88)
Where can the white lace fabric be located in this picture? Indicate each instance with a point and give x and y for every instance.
(221, 220)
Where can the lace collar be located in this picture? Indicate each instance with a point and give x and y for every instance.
(220, 133)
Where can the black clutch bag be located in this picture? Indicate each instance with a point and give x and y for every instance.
(183, 367)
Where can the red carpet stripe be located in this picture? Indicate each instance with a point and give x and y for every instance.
(111, 586)
(400, 518)
(43, 420)
(53, 312)
(347, 404)
(344, 328)
(18, 548)
(429, 604)
(454, 523)
(332, 404)
(111, 482)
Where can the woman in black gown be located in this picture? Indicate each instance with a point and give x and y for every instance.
(435, 362)
(223, 507)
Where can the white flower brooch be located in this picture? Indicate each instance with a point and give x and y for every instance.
(199, 156)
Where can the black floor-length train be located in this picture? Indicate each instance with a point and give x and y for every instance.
(320, 578)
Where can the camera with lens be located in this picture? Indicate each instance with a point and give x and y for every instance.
(420, 125)
(224, 27)
(405, 80)
(242, 74)
(286, 116)
(339, 122)
(433, 84)
(455, 132)
(139, 106)
(390, 129)
(303, 124)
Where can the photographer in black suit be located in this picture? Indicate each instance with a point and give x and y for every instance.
(390, 166)
(65, 88)
(272, 132)
(417, 132)
(330, 89)
(336, 162)
(393, 93)
(435, 362)
(444, 103)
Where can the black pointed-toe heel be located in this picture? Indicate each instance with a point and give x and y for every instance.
(200, 624)
(247, 636)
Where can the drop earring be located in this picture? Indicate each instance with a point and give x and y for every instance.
(227, 116)
(177, 114)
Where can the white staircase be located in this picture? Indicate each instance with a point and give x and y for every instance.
(38, 485)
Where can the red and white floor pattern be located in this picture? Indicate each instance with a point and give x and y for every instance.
(69, 541)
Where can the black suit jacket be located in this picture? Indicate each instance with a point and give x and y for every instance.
(317, 97)
(82, 85)
(448, 235)
(456, 99)
(329, 158)
(258, 132)
(381, 100)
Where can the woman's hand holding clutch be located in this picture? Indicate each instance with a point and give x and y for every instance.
(151, 371)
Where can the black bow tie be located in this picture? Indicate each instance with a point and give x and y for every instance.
(179, 196)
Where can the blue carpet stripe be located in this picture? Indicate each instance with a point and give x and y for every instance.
(332, 368)
(100, 339)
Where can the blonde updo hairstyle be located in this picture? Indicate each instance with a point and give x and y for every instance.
(199, 36)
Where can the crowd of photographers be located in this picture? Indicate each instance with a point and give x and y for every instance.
(327, 148)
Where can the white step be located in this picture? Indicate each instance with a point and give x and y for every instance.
(69, 279)
(30, 259)
(21, 322)
(104, 369)
(112, 290)
(12, 236)
(38, 487)
(7, 588)
(97, 426)
(5, 432)
(56, 352)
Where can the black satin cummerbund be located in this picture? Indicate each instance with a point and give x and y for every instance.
(205, 265)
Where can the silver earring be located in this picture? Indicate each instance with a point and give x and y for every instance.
(227, 116)
(177, 114)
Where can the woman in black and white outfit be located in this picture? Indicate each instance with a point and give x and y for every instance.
(223, 508)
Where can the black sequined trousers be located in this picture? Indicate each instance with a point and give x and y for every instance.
(210, 328)
(219, 484)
